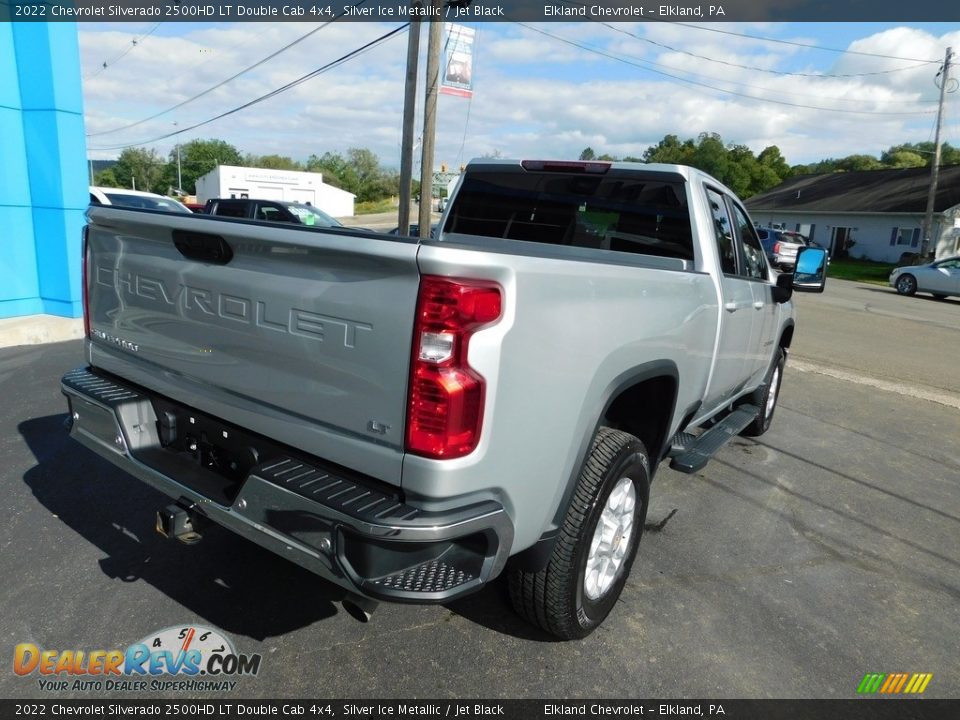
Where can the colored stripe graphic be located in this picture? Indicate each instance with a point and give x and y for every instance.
(894, 683)
(870, 683)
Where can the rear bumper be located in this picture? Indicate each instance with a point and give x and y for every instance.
(322, 517)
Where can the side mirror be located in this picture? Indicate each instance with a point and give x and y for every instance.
(783, 290)
(810, 273)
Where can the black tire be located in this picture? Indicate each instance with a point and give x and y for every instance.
(555, 598)
(761, 397)
(906, 284)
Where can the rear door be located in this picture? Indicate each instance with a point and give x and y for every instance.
(302, 335)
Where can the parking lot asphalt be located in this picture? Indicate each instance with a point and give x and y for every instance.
(790, 566)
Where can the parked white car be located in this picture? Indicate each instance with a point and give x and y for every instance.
(939, 278)
(135, 199)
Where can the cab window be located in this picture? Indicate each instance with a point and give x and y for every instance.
(754, 261)
(723, 232)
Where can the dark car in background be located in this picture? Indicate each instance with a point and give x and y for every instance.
(275, 211)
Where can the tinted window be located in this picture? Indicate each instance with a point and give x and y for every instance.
(754, 265)
(620, 211)
(726, 248)
(229, 209)
(309, 215)
(271, 213)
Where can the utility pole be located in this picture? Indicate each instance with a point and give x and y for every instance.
(925, 248)
(430, 116)
(409, 110)
(179, 181)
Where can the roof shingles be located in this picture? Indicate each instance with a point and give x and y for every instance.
(903, 191)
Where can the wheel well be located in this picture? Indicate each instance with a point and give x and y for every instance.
(787, 337)
(644, 410)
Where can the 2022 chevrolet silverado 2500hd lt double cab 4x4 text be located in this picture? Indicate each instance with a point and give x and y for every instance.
(404, 417)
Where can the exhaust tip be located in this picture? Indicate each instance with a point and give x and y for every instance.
(359, 608)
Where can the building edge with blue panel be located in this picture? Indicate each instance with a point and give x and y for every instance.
(43, 170)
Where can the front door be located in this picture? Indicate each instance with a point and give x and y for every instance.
(736, 318)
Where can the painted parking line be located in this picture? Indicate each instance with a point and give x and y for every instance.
(943, 397)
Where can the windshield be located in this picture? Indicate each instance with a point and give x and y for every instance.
(146, 202)
(309, 215)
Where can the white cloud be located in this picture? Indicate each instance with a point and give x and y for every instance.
(534, 96)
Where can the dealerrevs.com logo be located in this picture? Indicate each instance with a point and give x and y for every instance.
(180, 658)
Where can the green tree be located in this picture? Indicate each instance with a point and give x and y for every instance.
(138, 167)
(670, 150)
(853, 163)
(197, 158)
(771, 157)
(335, 168)
(105, 178)
(588, 154)
(904, 159)
(272, 162)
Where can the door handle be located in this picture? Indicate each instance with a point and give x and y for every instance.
(758, 305)
(732, 306)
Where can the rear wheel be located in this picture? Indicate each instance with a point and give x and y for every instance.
(906, 284)
(597, 543)
(765, 397)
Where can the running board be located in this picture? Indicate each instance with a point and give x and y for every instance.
(695, 453)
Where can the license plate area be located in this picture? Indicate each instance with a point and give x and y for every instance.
(218, 455)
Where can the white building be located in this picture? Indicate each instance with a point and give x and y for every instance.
(229, 181)
(870, 214)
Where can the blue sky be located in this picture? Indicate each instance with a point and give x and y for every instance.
(542, 89)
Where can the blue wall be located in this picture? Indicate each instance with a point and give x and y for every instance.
(43, 169)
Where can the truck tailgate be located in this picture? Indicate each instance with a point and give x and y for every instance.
(303, 335)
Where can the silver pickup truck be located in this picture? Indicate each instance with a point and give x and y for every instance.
(411, 418)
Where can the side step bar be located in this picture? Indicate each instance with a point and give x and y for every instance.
(691, 454)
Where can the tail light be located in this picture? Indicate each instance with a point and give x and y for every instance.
(445, 403)
(776, 248)
(84, 276)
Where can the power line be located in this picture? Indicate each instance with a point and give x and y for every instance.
(764, 88)
(113, 61)
(228, 80)
(273, 93)
(618, 58)
(760, 69)
(809, 46)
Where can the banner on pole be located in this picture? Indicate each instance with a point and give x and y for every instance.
(458, 62)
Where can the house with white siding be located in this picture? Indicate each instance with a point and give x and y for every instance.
(230, 181)
(870, 214)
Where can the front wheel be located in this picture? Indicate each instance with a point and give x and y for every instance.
(597, 543)
(906, 284)
(765, 397)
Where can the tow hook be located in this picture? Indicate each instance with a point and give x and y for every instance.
(179, 521)
(359, 607)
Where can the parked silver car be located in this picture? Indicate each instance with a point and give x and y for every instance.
(781, 246)
(939, 278)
